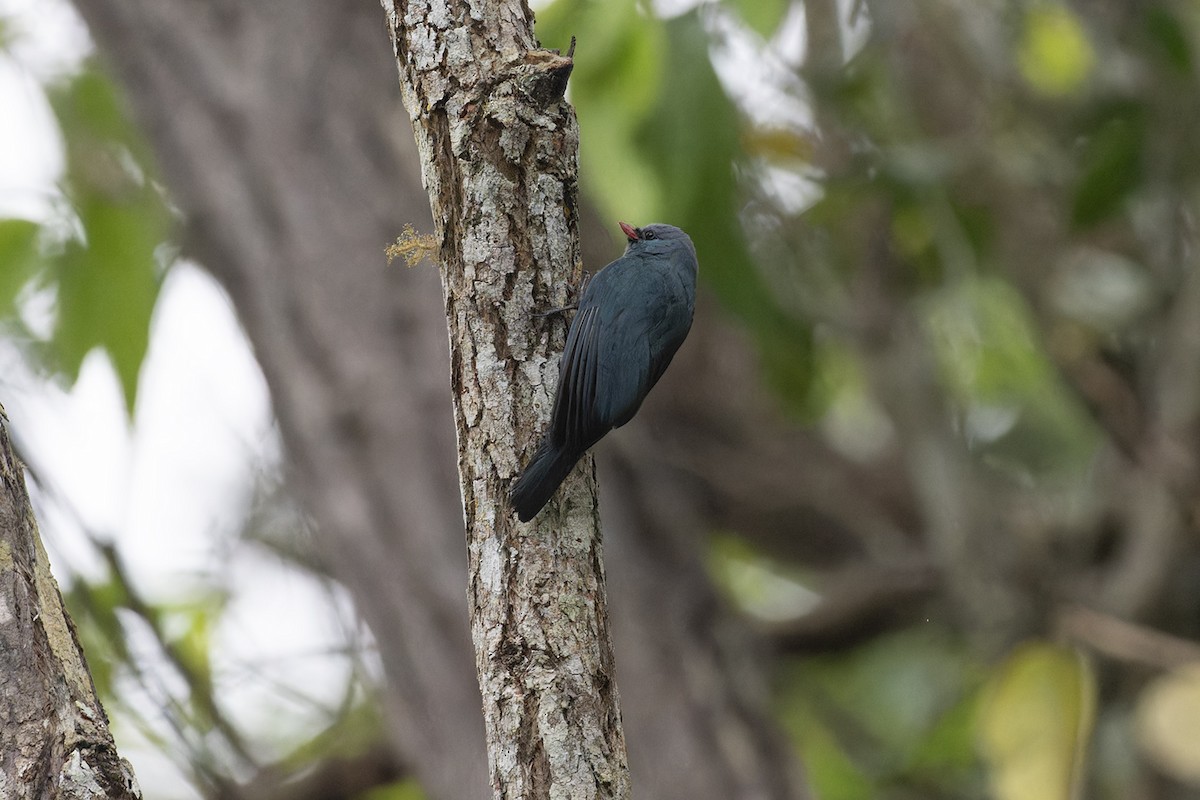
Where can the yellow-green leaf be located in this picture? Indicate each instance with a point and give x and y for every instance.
(1035, 718)
(1168, 723)
(1055, 55)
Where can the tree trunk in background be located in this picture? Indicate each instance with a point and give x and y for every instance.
(278, 128)
(54, 737)
(499, 147)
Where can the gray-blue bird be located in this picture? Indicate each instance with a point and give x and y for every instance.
(632, 318)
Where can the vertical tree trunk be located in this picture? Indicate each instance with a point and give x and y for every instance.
(498, 147)
(274, 128)
(54, 737)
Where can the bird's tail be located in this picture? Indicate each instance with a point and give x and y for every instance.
(542, 476)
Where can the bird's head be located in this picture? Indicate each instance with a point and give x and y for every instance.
(649, 235)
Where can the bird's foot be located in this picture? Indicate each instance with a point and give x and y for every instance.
(549, 312)
(587, 276)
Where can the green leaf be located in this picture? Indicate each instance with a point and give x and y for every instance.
(889, 713)
(703, 197)
(401, 790)
(92, 116)
(765, 588)
(94, 606)
(614, 85)
(833, 774)
(763, 16)
(1034, 722)
(18, 259)
(195, 645)
(659, 141)
(1169, 39)
(108, 283)
(946, 750)
(107, 290)
(898, 686)
(991, 357)
(1111, 165)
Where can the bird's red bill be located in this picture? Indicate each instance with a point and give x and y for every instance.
(629, 231)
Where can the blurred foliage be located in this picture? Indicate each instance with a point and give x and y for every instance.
(1168, 723)
(156, 670)
(1016, 411)
(401, 790)
(765, 588)
(1054, 52)
(1012, 184)
(660, 140)
(1035, 721)
(18, 260)
(103, 261)
(891, 718)
(762, 16)
(1010, 187)
(109, 614)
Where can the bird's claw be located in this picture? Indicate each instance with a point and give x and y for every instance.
(587, 276)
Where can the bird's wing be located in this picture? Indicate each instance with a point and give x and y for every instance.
(632, 318)
(574, 417)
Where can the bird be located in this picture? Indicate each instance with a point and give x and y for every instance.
(633, 316)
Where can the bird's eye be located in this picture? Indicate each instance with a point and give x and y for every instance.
(648, 235)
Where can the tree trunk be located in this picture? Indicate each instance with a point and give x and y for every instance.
(275, 130)
(498, 147)
(54, 737)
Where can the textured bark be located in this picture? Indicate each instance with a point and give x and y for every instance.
(498, 149)
(276, 130)
(54, 737)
